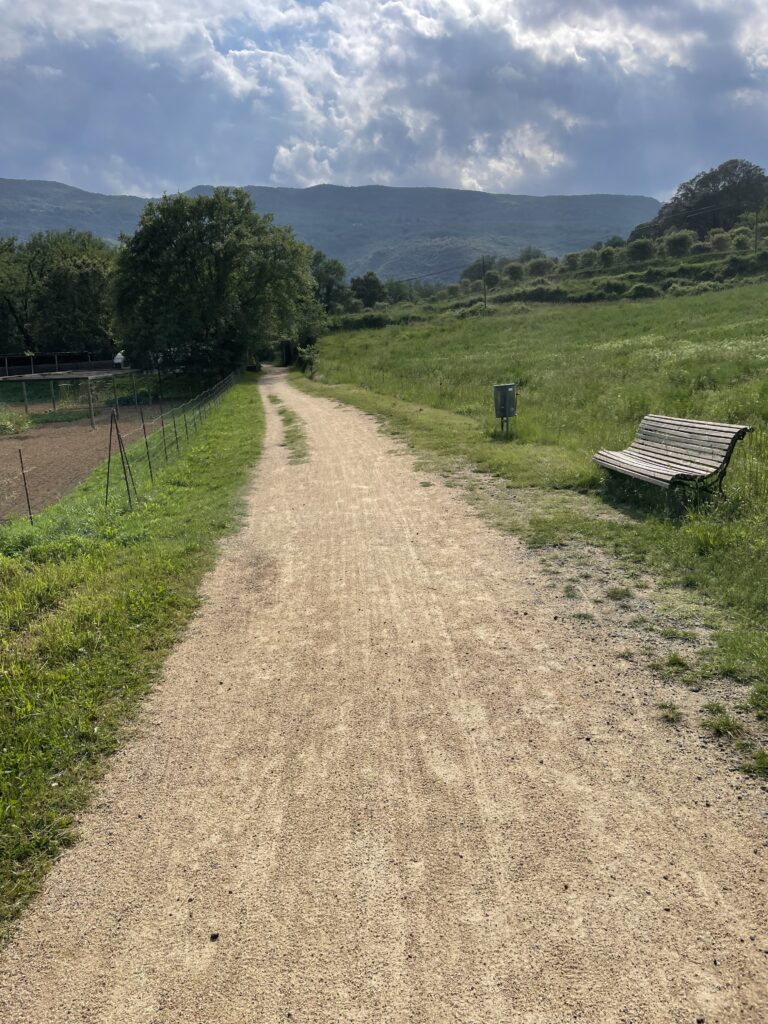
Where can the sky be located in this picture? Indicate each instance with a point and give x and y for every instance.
(524, 96)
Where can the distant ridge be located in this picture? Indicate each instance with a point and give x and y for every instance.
(397, 232)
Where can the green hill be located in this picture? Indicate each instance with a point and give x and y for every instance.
(398, 232)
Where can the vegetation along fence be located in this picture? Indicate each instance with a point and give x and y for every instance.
(140, 442)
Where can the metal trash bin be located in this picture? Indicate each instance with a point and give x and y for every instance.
(505, 402)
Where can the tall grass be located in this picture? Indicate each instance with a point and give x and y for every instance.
(587, 374)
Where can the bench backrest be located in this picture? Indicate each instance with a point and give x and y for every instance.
(699, 444)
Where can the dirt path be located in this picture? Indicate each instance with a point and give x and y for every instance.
(397, 787)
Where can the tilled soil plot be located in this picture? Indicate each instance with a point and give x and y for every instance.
(383, 781)
(57, 456)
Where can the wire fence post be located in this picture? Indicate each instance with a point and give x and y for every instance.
(117, 400)
(186, 426)
(162, 426)
(24, 393)
(109, 462)
(127, 471)
(90, 403)
(175, 431)
(53, 395)
(146, 445)
(26, 488)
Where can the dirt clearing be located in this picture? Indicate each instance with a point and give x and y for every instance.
(383, 780)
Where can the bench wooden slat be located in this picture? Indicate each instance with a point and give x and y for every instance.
(654, 417)
(663, 453)
(668, 450)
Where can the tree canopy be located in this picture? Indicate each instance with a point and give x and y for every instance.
(711, 199)
(206, 282)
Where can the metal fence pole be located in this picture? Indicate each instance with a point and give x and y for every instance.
(109, 461)
(90, 403)
(26, 488)
(146, 445)
(24, 393)
(114, 392)
(175, 431)
(162, 426)
(53, 396)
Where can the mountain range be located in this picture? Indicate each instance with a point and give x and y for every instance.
(396, 232)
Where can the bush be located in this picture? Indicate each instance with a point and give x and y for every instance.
(699, 248)
(541, 267)
(614, 286)
(570, 261)
(587, 259)
(492, 279)
(643, 291)
(719, 240)
(679, 243)
(741, 239)
(640, 250)
(514, 271)
(12, 422)
(606, 256)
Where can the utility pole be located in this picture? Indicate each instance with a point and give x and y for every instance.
(485, 287)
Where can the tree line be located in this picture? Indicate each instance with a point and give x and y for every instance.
(205, 283)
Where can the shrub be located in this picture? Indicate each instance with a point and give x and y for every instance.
(741, 239)
(719, 240)
(587, 259)
(492, 279)
(540, 267)
(679, 243)
(643, 291)
(613, 286)
(12, 422)
(606, 256)
(514, 271)
(699, 248)
(571, 261)
(640, 250)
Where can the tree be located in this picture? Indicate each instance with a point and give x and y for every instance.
(530, 252)
(476, 269)
(206, 284)
(571, 261)
(492, 278)
(712, 199)
(369, 289)
(331, 277)
(54, 292)
(679, 243)
(587, 259)
(514, 271)
(615, 242)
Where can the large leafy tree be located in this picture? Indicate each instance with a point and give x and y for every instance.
(369, 289)
(333, 293)
(711, 199)
(54, 293)
(206, 283)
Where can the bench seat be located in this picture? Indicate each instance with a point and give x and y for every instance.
(668, 450)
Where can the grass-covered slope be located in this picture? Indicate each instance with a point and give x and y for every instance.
(90, 603)
(587, 375)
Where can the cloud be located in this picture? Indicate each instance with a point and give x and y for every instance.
(506, 95)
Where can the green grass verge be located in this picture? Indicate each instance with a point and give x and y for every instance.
(587, 375)
(91, 601)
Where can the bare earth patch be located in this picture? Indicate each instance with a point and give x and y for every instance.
(385, 778)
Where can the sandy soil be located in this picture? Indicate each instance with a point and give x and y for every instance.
(383, 781)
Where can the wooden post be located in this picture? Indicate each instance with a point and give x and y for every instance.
(135, 392)
(6, 367)
(146, 445)
(24, 392)
(90, 403)
(114, 392)
(56, 361)
(53, 395)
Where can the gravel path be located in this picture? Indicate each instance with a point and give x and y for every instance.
(384, 781)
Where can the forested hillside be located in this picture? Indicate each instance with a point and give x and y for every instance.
(396, 232)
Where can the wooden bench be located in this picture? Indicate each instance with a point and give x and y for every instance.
(668, 451)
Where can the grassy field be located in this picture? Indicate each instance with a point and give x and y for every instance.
(587, 374)
(90, 603)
